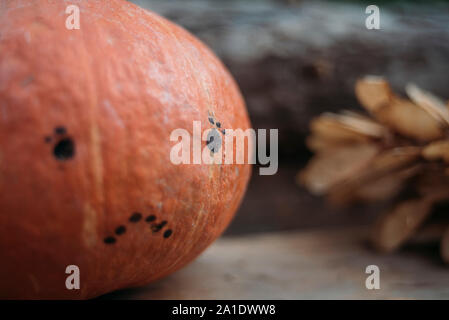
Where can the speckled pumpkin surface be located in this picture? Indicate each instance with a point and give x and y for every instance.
(85, 171)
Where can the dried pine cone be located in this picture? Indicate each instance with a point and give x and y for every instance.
(400, 148)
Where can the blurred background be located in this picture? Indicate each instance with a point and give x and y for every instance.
(296, 59)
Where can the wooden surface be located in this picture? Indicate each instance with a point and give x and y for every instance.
(303, 265)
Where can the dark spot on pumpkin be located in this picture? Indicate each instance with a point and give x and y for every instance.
(211, 120)
(120, 230)
(64, 149)
(167, 233)
(150, 218)
(47, 139)
(218, 124)
(109, 240)
(158, 227)
(136, 216)
(211, 139)
(223, 131)
(60, 130)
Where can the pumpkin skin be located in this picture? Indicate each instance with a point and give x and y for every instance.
(85, 171)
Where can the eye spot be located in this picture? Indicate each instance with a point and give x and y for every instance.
(109, 240)
(120, 230)
(150, 218)
(211, 120)
(48, 139)
(136, 216)
(167, 233)
(64, 149)
(218, 124)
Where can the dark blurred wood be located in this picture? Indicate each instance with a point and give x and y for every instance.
(327, 264)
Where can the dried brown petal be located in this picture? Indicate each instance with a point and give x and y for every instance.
(332, 130)
(324, 144)
(329, 168)
(373, 93)
(432, 104)
(381, 165)
(361, 124)
(403, 116)
(386, 186)
(409, 120)
(328, 126)
(437, 150)
(394, 158)
(397, 225)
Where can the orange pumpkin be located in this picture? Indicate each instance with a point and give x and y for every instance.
(85, 172)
